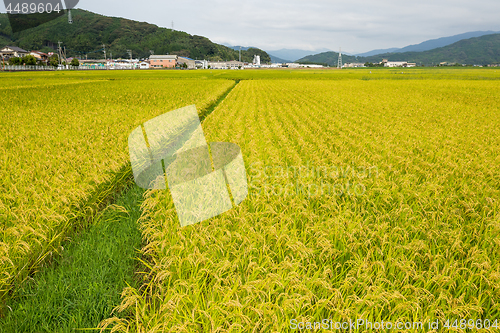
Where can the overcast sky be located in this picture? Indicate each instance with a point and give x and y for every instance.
(357, 26)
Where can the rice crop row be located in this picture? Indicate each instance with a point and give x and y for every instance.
(374, 199)
(64, 149)
(365, 74)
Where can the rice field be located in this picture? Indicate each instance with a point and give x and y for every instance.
(414, 237)
(64, 149)
(372, 195)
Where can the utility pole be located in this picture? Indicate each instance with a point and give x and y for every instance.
(105, 60)
(130, 53)
(59, 51)
(240, 53)
(172, 25)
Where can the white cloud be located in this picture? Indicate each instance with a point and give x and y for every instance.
(357, 26)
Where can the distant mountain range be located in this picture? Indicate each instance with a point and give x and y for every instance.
(90, 31)
(237, 47)
(247, 48)
(325, 56)
(473, 51)
(375, 52)
(430, 44)
(283, 55)
(291, 55)
(279, 60)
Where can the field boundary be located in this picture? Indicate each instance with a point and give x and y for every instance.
(52, 85)
(215, 104)
(142, 262)
(81, 214)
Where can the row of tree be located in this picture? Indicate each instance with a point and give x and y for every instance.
(30, 60)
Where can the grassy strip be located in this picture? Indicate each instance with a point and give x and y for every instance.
(82, 286)
(77, 217)
(146, 269)
(24, 314)
(82, 213)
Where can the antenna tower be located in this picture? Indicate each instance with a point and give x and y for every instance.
(339, 63)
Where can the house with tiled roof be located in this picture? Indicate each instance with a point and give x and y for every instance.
(8, 52)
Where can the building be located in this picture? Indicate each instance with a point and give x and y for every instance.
(353, 65)
(163, 61)
(203, 64)
(395, 64)
(398, 63)
(256, 60)
(93, 64)
(124, 64)
(233, 64)
(8, 52)
(40, 56)
(188, 61)
(217, 65)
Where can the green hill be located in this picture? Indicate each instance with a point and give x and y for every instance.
(89, 31)
(473, 51)
(329, 58)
